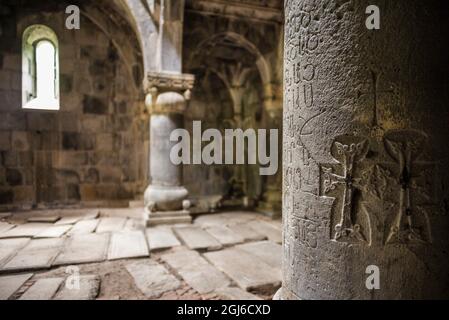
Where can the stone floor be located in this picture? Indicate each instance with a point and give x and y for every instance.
(232, 255)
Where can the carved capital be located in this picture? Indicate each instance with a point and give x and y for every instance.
(169, 82)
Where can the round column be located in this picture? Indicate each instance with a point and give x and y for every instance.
(365, 199)
(166, 191)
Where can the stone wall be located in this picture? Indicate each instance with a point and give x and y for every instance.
(94, 148)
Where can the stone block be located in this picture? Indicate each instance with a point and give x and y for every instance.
(105, 142)
(42, 121)
(24, 194)
(110, 175)
(84, 248)
(161, 239)
(94, 105)
(128, 245)
(10, 284)
(14, 177)
(89, 290)
(77, 141)
(20, 141)
(43, 289)
(197, 239)
(5, 141)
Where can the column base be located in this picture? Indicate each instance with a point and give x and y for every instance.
(167, 218)
(160, 198)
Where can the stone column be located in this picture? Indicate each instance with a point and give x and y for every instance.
(167, 101)
(365, 151)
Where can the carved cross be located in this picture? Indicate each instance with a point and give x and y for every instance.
(349, 152)
(409, 225)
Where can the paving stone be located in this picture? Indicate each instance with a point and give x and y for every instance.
(235, 294)
(84, 248)
(9, 247)
(267, 251)
(4, 227)
(225, 236)
(91, 214)
(247, 233)
(27, 230)
(111, 225)
(84, 227)
(129, 244)
(88, 290)
(43, 289)
(250, 273)
(54, 232)
(38, 254)
(161, 238)
(44, 219)
(10, 284)
(196, 238)
(196, 271)
(152, 278)
(270, 231)
(68, 220)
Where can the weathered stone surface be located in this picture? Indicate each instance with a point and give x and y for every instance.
(54, 232)
(89, 290)
(161, 238)
(232, 293)
(361, 148)
(129, 244)
(10, 284)
(68, 220)
(249, 272)
(9, 247)
(267, 251)
(27, 230)
(84, 248)
(111, 225)
(197, 272)
(38, 254)
(247, 233)
(84, 227)
(44, 218)
(197, 239)
(5, 215)
(43, 289)
(225, 235)
(270, 231)
(152, 279)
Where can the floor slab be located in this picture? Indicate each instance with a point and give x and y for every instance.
(89, 288)
(269, 230)
(247, 233)
(196, 271)
(126, 245)
(152, 278)
(111, 225)
(9, 247)
(196, 238)
(43, 289)
(10, 284)
(235, 294)
(27, 230)
(250, 273)
(85, 248)
(84, 227)
(161, 239)
(38, 254)
(267, 251)
(225, 236)
(53, 232)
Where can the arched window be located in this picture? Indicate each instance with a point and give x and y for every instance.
(40, 69)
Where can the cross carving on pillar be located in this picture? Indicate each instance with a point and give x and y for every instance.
(347, 225)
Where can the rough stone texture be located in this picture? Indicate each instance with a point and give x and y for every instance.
(250, 273)
(84, 227)
(152, 279)
(267, 251)
(84, 248)
(89, 289)
(161, 238)
(197, 239)
(38, 254)
(9, 247)
(365, 124)
(4, 227)
(43, 289)
(231, 293)
(225, 235)
(197, 272)
(129, 244)
(10, 284)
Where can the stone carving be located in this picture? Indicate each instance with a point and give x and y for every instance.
(410, 225)
(349, 224)
(168, 81)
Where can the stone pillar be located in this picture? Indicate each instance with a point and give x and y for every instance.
(165, 198)
(365, 151)
(271, 202)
